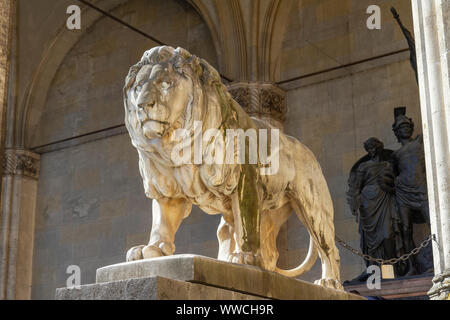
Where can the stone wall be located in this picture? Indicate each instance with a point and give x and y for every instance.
(327, 33)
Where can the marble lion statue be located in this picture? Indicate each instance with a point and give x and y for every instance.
(173, 98)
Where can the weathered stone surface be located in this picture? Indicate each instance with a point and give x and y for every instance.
(212, 272)
(153, 288)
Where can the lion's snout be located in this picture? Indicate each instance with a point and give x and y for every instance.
(146, 105)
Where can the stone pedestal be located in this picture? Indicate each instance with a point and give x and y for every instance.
(191, 277)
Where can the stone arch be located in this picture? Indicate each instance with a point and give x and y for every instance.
(33, 103)
(36, 92)
(275, 24)
(249, 35)
(210, 19)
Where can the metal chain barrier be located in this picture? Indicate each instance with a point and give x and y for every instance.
(392, 261)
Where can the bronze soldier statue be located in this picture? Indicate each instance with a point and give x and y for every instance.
(410, 182)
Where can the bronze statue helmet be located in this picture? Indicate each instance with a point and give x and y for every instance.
(401, 118)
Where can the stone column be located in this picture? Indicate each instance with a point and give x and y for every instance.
(19, 187)
(7, 7)
(432, 35)
(262, 100)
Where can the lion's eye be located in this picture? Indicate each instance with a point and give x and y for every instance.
(139, 86)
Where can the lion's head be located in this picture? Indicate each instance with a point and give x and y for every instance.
(166, 91)
(171, 89)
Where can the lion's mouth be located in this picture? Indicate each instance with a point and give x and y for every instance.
(154, 120)
(153, 127)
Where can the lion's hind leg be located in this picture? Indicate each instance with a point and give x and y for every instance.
(271, 222)
(318, 219)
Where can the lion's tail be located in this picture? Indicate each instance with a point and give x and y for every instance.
(306, 265)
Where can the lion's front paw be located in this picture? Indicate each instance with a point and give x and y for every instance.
(135, 253)
(144, 252)
(244, 258)
(152, 251)
(329, 283)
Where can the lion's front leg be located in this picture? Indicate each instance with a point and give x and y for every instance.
(167, 217)
(226, 240)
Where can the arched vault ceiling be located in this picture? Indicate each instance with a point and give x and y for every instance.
(36, 92)
(57, 48)
(248, 35)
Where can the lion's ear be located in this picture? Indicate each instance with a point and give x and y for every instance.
(129, 80)
(183, 53)
(174, 69)
(170, 68)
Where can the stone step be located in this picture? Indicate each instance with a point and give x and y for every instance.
(153, 288)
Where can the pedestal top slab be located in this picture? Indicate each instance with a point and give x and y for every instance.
(212, 272)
